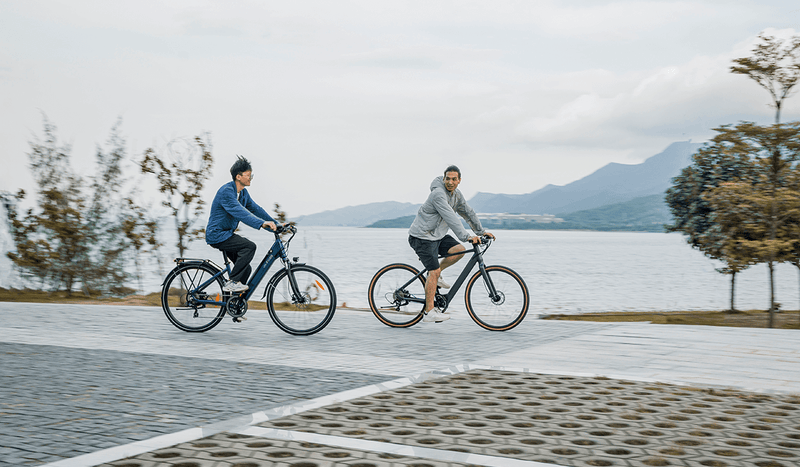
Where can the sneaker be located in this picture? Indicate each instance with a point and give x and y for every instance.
(442, 284)
(233, 286)
(435, 316)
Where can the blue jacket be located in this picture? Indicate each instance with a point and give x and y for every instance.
(226, 213)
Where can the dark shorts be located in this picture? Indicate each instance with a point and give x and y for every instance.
(428, 251)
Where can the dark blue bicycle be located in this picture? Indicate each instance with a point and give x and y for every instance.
(300, 299)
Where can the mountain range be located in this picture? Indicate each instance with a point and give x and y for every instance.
(616, 196)
(612, 184)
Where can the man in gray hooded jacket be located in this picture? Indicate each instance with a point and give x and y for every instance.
(428, 233)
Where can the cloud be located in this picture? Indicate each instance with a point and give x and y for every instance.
(359, 98)
(689, 98)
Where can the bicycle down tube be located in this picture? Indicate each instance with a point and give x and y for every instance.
(477, 257)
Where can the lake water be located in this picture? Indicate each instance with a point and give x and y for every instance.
(566, 271)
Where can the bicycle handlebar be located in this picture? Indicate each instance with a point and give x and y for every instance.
(484, 240)
(280, 228)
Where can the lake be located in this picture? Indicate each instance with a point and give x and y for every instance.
(566, 271)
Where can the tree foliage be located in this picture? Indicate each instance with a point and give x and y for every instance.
(74, 236)
(712, 165)
(763, 205)
(181, 168)
(775, 66)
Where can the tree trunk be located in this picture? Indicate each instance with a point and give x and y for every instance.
(771, 266)
(733, 289)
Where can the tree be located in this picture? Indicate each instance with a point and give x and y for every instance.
(775, 66)
(764, 203)
(712, 165)
(141, 231)
(182, 168)
(74, 238)
(281, 217)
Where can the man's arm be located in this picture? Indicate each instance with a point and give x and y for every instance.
(465, 211)
(439, 200)
(253, 207)
(232, 206)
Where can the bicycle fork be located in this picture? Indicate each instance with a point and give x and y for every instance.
(493, 295)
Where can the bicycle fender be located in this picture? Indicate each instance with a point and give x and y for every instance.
(271, 279)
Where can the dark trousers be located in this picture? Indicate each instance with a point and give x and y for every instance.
(241, 251)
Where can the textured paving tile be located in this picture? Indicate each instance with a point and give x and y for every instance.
(574, 421)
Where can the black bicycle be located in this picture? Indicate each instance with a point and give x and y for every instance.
(300, 299)
(496, 297)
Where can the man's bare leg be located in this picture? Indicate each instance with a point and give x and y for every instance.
(430, 288)
(451, 260)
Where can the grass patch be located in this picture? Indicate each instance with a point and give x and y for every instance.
(746, 319)
(41, 296)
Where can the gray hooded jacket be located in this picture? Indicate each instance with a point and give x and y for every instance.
(439, 211)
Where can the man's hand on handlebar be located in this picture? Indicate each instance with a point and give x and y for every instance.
(269, 225)
(479, 239)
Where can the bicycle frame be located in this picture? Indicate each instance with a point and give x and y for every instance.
(277, 250)
(477, 257)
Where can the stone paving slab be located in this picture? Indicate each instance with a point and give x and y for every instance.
(60, 402)
(83, 365)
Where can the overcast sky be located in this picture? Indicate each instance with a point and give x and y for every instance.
(349, 102)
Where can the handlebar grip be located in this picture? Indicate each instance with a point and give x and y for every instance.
(280, 228)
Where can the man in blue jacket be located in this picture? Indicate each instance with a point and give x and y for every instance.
(232, 204)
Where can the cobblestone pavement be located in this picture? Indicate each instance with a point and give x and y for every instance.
(121, 381)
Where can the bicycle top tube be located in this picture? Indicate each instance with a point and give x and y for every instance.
(475, 251)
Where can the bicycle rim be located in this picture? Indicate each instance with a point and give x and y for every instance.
(387, 296)
(504, 311)
(180, 306)
(307, 313)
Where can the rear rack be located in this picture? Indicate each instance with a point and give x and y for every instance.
(197, 260)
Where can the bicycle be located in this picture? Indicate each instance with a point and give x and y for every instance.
(397, 293)
(300, 299)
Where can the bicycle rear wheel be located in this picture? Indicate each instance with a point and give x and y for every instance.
(181, 306)
(389, 291)
(310, 309)
(507, 308)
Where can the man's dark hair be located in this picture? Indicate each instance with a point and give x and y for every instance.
(243, 165)
(452, 168)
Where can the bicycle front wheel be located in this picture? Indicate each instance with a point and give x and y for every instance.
(389, 294)
(179, 298)
(507, 308)
(304, 308)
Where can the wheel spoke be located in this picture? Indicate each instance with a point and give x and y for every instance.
(506, 308)
(390, 293)
(306, 310)
(181, 308)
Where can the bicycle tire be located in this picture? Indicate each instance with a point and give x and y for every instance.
(511, 305)
(177, 304)
(306, 317)
(385, 300)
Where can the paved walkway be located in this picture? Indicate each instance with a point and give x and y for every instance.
(90, 385)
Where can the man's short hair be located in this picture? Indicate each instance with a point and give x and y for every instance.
(452, 168)
(243, 165)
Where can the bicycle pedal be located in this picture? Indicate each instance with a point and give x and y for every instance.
(239, 319)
